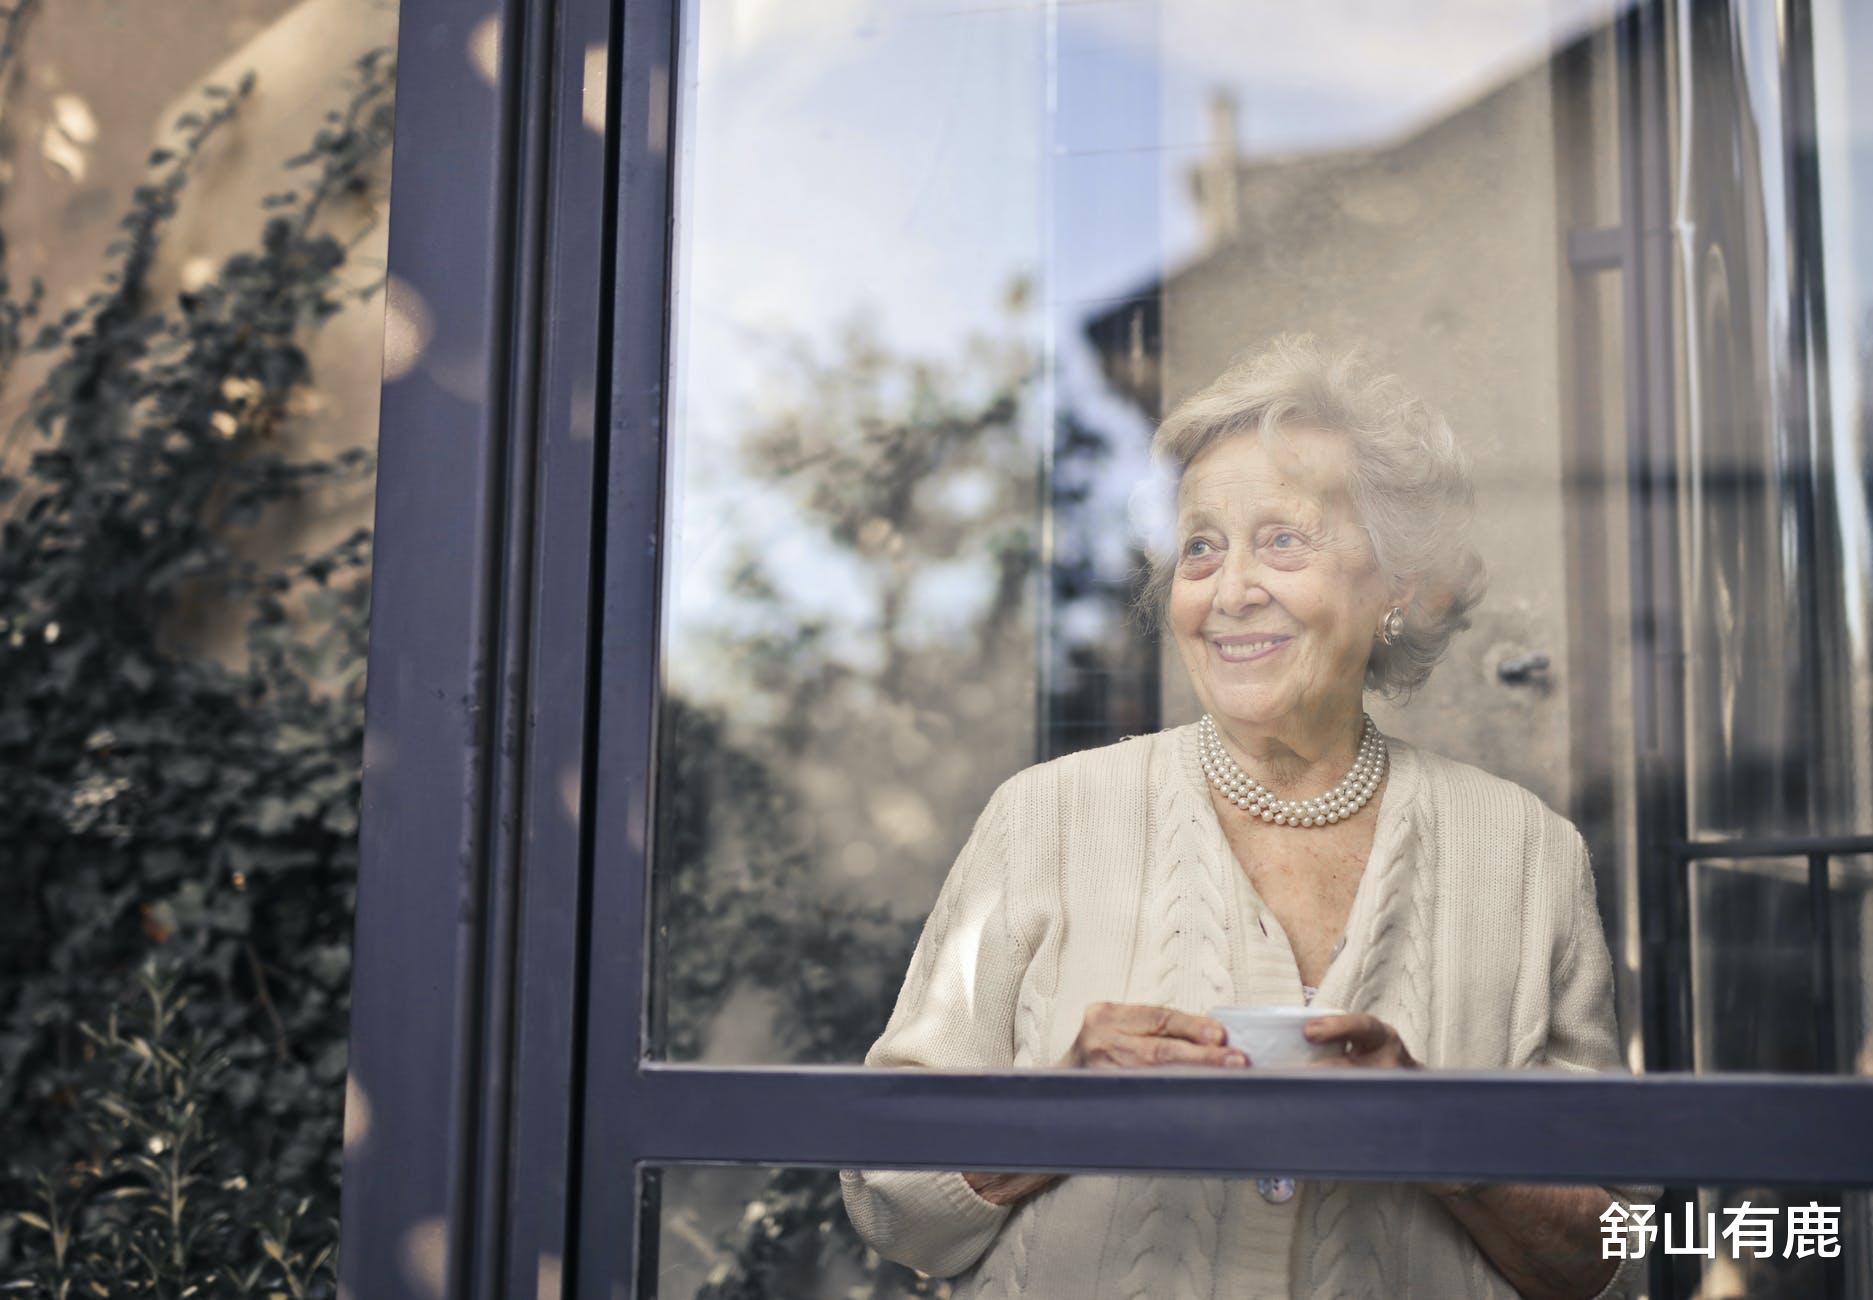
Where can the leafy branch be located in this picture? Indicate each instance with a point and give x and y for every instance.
(157, 803)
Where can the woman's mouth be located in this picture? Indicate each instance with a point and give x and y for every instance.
(1245, 650)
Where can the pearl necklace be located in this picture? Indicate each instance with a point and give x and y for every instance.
(1250, 795)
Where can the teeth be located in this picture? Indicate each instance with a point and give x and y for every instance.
(1245, 648)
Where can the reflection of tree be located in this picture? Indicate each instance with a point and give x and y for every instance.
(803, 831)
(1102, 670)
(737, 897)
(836, 722)
(873, 625)
(903, 466)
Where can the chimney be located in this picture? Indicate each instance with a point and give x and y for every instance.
(1217, 180)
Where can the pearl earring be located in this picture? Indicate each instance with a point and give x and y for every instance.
(1393, 627)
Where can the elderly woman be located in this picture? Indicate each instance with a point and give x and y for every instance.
(1279, 849)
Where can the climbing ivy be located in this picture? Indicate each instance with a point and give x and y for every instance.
(177, 833)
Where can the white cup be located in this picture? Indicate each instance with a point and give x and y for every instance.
(1271, 1037)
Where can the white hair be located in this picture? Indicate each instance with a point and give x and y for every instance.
(1409, 482)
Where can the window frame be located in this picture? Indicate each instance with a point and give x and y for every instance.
(504, 1115)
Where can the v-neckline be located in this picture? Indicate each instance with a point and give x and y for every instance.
(1393, 805)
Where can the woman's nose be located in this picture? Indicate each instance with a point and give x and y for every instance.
(1239, 584)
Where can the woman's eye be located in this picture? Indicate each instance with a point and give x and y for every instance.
(1285, 540)
(1191, 549)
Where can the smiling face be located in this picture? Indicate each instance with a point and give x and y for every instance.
(1276, 596)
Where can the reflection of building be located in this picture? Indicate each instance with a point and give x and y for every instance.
(1425, 251)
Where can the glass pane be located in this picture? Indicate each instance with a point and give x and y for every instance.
(1775, 181)
(1755, 974)
(1851, 921)
(919, 545)
(1844, 143)
(1769, 995)
(755, 1232)
(193, 208)
(914, 391)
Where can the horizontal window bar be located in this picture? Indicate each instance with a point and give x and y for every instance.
(1787, 846)
(1524, 1126)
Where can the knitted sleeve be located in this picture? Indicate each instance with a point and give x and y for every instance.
(1583, 1032)
(955, 1011)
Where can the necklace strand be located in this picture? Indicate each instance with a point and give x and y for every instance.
(1256, 799)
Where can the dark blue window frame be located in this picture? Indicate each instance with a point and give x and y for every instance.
(504, 1105)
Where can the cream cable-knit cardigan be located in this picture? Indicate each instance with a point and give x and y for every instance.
(1105, 876)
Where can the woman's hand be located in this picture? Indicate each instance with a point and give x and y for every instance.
(1127, 1035)
(1120, 1035)
(1543, 1239)
(1009, 1189)
(1368, 1041)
